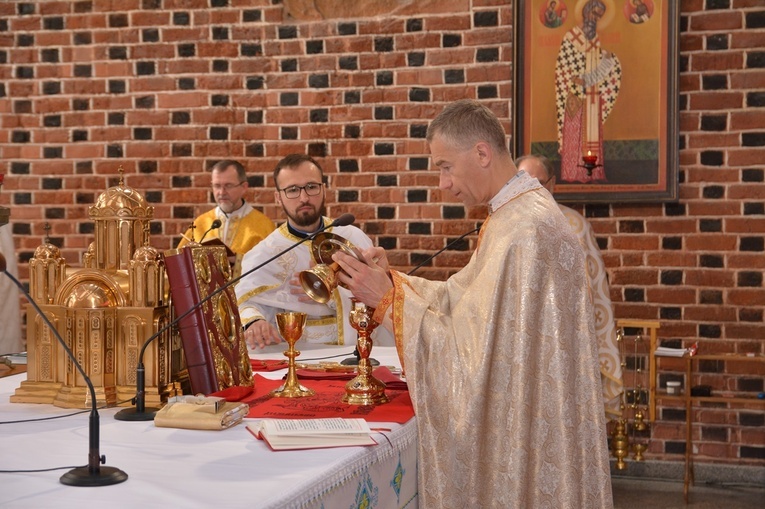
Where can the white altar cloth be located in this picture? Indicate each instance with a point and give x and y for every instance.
(170, 467)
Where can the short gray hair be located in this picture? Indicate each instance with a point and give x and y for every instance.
(466, 122)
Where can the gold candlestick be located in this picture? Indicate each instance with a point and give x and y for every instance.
(365, 389)
(291, 325)
(620, 444)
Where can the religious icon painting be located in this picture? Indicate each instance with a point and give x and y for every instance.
(638, 11)
(552, 13)
(595, 92)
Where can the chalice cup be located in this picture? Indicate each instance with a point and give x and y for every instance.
(291, 325)
(364, 389)
(321, 280)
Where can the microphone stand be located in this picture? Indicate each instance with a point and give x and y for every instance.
(447, 246)
(139, 412)
(215, 224)
(354, 361)
(93, 474)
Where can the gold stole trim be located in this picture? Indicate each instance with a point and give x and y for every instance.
(394, 297)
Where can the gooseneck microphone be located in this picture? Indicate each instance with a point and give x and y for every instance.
(140, 412)
(214, 226)
(93, 474)
(447, 246)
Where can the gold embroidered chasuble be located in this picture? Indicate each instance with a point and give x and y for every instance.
(240, 231)
(502, 366)
(243, 231)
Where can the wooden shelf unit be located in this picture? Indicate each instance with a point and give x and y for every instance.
(690, 401)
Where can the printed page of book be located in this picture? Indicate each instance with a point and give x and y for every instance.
(286, 434)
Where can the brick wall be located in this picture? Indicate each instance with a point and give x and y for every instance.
(164, 88)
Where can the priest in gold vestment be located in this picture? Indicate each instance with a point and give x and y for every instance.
(501, 359)
(241, 226)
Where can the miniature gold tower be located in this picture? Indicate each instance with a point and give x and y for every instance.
(104, 311)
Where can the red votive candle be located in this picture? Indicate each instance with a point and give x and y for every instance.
(590, 159)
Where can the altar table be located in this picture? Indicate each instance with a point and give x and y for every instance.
(170, 467)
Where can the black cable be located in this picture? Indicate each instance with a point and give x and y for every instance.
(447, 246)
(40, 470)
(323, 358)
(52, 417)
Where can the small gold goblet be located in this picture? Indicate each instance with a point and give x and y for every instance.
(291, 325)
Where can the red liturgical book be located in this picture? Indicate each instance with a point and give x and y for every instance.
(212, 337)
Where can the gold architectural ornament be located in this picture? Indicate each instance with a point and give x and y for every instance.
(364, 389)
(104, 311)
(291, 325)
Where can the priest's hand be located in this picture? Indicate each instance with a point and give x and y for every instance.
(260, 334)
(368, 280)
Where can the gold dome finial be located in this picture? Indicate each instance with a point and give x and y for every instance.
(47, 233)
(121, 171)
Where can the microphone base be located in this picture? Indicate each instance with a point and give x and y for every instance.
(132, 414)
(354, 361)
(106, 476)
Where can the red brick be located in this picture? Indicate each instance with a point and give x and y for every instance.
(711, 242)
(716, 100)
(714, 208)
(750, 79)
(747, 120)
(745, 156)
(716, 20)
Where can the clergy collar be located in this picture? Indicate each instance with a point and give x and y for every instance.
(518, 183)
(302, 234)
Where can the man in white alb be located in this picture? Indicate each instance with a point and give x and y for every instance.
(300, 190)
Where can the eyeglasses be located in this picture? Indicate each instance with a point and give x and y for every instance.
(311, 189)
(226, 187)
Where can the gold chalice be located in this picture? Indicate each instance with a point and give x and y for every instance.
(291, 325)
(364, 389)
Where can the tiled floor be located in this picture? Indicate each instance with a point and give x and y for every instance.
(634, 493)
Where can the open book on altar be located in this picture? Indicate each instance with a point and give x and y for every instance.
(286, 434)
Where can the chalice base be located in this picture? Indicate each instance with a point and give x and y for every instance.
(292, 391)
(365, 390)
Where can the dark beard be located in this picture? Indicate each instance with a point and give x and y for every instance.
(305, 220)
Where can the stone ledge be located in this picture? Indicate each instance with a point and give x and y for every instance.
(716, 473)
